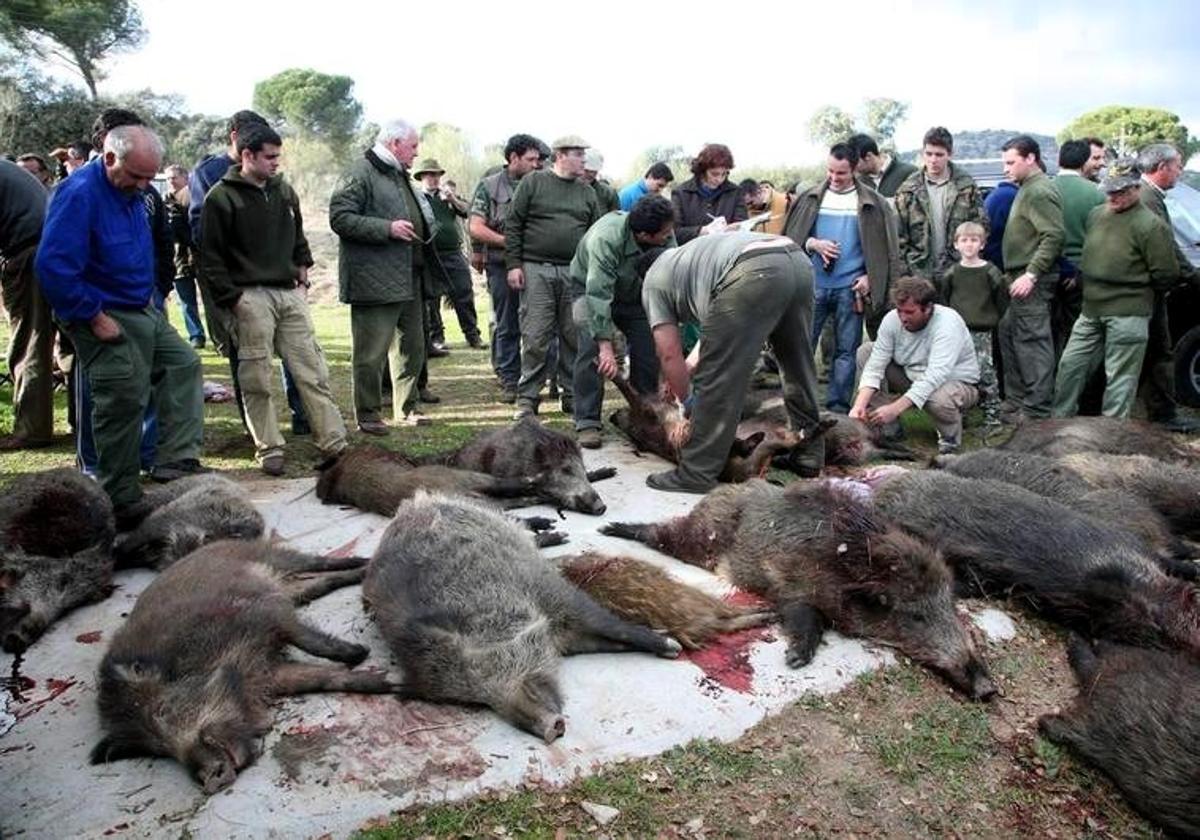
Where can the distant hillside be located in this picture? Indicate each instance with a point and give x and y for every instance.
(987, 143)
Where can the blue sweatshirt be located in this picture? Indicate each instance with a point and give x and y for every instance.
(629, 195)
(96, 250)
(837, 220)
(206, 175)
(998, 205)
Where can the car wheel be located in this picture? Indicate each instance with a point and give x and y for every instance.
(1187, 368)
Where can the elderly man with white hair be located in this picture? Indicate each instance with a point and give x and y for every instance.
(95, 264)
(385, 228)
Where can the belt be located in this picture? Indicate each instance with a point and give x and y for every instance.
(766, 251)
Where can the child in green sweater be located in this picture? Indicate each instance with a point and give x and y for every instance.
(974, 288)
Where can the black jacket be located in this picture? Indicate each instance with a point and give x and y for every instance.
(693, 211)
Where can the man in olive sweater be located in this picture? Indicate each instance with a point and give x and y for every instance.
(1161, 166)
(255, 259)
(1032, 241)
(1127, 256)
(551, 211)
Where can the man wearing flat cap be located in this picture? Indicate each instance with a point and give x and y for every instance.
(448, 208)
(1128, 255)
(593, 165)
(551, 210)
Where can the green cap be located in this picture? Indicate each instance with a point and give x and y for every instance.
(429, 165)
(1122, 174)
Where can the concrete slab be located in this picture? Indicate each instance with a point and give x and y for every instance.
(335, 761)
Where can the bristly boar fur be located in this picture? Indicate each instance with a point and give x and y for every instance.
(377, 480)
(1056, 479)
(641, 592)
(1002, 539)
(527, 449)
(192, 672)
(186, 514)
(1137, 718)
(848, 442)
(1173, 489)
(56, 534)
(474, 615)
(1110, 435)
(826, 558)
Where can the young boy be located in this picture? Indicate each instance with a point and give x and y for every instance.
(974, 288)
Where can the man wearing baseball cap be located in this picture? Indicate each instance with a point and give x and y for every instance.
(1128, 254)
(551, 211)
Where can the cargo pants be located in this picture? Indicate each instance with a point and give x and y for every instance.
(544, 314)
(1117, 342)
(30, 348)
(765, 295)
(278, 319)
(149, 361)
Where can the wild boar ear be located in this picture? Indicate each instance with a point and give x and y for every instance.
(111, 750)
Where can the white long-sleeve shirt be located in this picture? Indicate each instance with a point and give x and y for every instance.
(941, 352)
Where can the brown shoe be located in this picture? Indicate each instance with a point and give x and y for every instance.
(590, 438)
(374, 427)
(272, 464)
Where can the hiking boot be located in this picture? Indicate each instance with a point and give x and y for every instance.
(374, 427)
(671, 482)
(436, 351)
(272, 464)
(162, 473)
(427, 396)
(590, 438)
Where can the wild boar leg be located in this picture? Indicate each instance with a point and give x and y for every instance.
(803, 625)
(319, 643)
(306, 590)
(287, 560)
(601, 473)
(596, 630)
(302, 678)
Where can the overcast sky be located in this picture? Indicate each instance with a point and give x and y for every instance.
(627, 75)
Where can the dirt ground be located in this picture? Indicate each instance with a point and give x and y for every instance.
(896, 755)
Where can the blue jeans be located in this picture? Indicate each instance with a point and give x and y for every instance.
(847, 335)
(506, 335)
(185, 288)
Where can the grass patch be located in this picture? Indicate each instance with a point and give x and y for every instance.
(942, 741)
(514, 814)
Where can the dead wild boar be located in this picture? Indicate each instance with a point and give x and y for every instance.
(527, 449)
(1172, 489)
(1002, 539)
(650, 422)
(848, 442)
(474, 615)
(1110, 435)
(1137, 718)
(186, 514)
(1056, 479)
(56, 534)
(641, 592)
(377, 480)
(826, 558)
(192, 672)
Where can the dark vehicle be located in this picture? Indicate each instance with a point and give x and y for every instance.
(1183, 203)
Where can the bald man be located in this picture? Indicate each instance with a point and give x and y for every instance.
(96, 267)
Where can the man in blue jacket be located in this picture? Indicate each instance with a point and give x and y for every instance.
(96, 267)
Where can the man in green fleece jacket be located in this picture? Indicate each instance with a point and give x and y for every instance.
(550, 212)
(255, 259)
(1127, 256)
(1032, 241)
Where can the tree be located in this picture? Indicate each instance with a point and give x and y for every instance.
(883, 115)
(673, 156)
(454, 153)
(311, 104)
(1128, 128)
(81, 33)
(829, 124)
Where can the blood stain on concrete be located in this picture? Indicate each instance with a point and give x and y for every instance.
(344, 550)
(89, 638)
(725, 661)
(55, 687)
